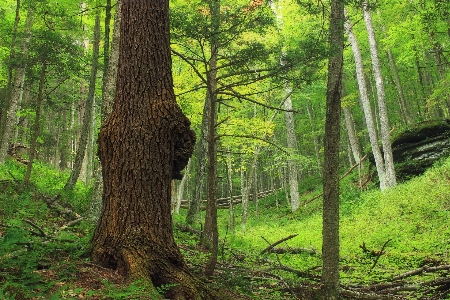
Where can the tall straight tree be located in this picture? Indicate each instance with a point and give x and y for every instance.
(362, 87)
(108, 92)
(290, 133)
(144, 144)
(330, 231)
(211, 236)
(292, 145)
(384, 120)
(88, 111)
(17, 89)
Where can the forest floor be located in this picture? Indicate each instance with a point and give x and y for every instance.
(395, 245)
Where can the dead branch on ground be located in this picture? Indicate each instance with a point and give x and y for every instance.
(271, 246)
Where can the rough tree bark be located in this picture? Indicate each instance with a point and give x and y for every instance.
(330, 231)
(211, 236)
(144, 144)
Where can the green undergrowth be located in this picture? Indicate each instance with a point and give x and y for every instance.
(43, 256)
(408, 222)
(42, 259)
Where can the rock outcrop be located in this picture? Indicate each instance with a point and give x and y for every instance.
(419, 147)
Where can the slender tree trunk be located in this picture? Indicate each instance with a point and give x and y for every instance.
(37, 121)
(384, 120)
(292, 146)
(379, 163)
(352, 135)
(181, 187)
(211, 235)
(17, 91)
(255, 189)
(315, 138)
(87, 116)
(5, 95)
(230, 190)
(330, 231)
(244, 195)
(202, 157)
(108, 93)
(291, 137)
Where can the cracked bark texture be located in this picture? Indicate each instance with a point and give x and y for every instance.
(144, 144)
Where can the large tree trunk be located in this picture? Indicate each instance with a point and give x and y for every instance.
(144, 144)
(384, 120)
(17, 91)
(379, 163)
(330, 231)
(88, 110)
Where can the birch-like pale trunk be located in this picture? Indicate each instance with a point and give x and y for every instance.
(352, 135)
(180, 190)
(292, 146)
(315, 138)
(379, 163)
(290, 133)
(384, 120)
(16, 92)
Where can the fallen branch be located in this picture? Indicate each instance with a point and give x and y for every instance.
(54, 204)
(421, 270)
(41, 232)
(366, 296)
(271, 246)
(71, 223)
(310, 251)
